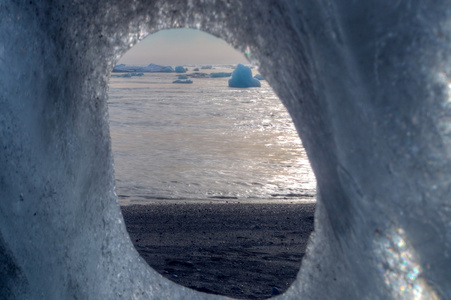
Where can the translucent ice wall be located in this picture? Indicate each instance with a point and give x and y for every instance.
(368, 84)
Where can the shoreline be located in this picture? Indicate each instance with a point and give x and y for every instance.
(240, 250)
(130, 201)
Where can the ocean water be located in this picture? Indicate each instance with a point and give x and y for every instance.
(204, 142)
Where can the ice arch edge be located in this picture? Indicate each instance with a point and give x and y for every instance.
(367, 87)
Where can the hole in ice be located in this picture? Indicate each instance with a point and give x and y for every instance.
(225, 190)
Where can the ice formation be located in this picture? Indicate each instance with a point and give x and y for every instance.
(366, 82)
(242, 78)
(182, 77)
(180, 69)
(259, 77)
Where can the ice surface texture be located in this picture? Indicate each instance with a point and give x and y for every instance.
(242, 78)
(367, 84)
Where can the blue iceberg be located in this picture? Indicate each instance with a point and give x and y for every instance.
(180, 69)
(242, 78)
(182, 77)
(259, 77)
(120, 68)
(167, 69)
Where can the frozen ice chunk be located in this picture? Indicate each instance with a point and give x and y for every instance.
(183, 81)
(120, 68)
(196, 69)
(156, 68)
(259, 77)
(180, 69)
(182, 77)
(220, 74)
(242, 78)
(368, 94)
(167, 69)
(206, 67)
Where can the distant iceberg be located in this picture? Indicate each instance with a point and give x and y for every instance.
(121, 68)
(146, 69)
(156, 68)
(220, 74)
(180, 69)
(259, 77)
(128, 75)
(167, 69)
(196, 69)
(206, 67)
(242, 78)
(182, 77)
(183, 81)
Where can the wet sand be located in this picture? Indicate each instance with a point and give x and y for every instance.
(246, 251)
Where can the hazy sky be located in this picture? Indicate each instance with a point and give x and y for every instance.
(182, 46)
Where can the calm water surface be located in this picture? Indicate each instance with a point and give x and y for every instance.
(204, 141)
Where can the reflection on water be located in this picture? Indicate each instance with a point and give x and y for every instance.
(204, 141)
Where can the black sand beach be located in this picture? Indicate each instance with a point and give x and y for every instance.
(246, 251)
